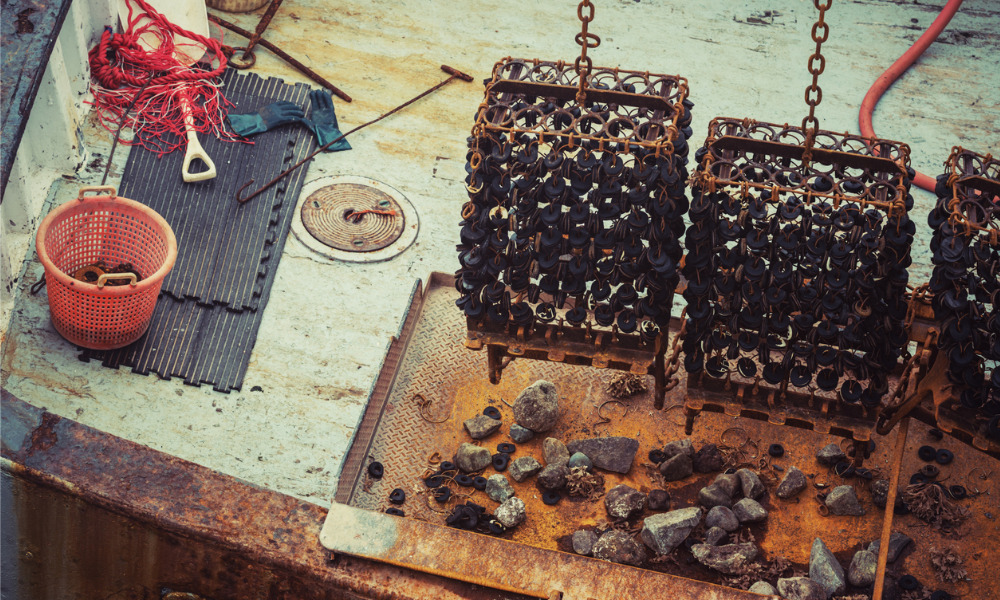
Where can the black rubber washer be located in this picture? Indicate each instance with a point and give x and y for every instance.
(434, 481)
(496, 527)
(957, 492)
(930, 471)
(936, 433)
(442, 494)
(446, 466)
(479, 483)
(657, 456)
(500, 461)
(463, 480)
(376, 470)
(395, 511)
(551, 497)
(864, 473)
(918, 478)
(492, 412)
(908, 582)
(776, 450)
(397, 496)
(944, 456)
(940, 595)
(927, 453)
(506, 448)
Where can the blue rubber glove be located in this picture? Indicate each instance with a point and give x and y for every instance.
(267, 118)
(323, 121)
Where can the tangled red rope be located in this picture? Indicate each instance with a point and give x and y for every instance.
(123, 69)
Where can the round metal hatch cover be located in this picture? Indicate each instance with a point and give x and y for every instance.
(355, 218)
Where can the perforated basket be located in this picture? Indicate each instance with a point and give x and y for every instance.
(106, 229)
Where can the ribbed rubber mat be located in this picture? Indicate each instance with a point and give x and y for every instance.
(206, 320)
(224, 246)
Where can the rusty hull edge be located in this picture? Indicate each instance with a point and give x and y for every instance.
(230, 516)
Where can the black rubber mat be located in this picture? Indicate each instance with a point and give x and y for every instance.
(224, 247)
(206, 320)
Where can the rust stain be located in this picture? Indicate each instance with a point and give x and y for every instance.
(44, 436)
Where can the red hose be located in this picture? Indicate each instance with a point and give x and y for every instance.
(898, 68)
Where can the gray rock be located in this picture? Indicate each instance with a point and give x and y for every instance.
(679, 447)
(677, 467)
(471, 458)
(861, 573)
(842, 500)
(721, 516)
(897, 543)
(481, 426)
(825, 570)
(498, 488)
(553, 477)
(880, 492)
(523, 467)
(715, 535)
(729, 559)
(762, 587)
(658, 500)
(620, 547)
(511, 512)
(624, 502)
(749, 510)
(830, 455)
(751, 484)
(537, 407)
(665, 531)
(583, 541)
(792, 483)
(729, 482)
(801, 588)
(579, 459)
(554, 452)
(520, 434)
(714, 495)
(708, 459)
(609, 453)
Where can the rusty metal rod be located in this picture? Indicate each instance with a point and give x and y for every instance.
(890, 505)
(455, 74)
(265, 20)
(284, 56)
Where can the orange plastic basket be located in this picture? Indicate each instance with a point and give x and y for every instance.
(113, 230)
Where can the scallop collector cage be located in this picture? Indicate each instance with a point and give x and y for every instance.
(577, 191)
(796, 270)
(966, 281)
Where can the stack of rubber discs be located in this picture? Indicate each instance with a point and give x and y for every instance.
(574, 212)
(797, 274)
(966, 279)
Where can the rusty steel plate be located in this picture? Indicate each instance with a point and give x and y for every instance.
(430, 383)
(354, 218)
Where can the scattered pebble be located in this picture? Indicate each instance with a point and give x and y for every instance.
(498, 488)
(665, 531)
(583, 541)
(897, 543)
(620, 547)
(624, 502)
(721, 516)
(792, 483)
(481, 426)
(553, 477)
(731, 559)
(714, 495)
(554, 452)
(751, 484)
(579, 459)
(708, 459)
(801, 588)
(679, 447)
(524, 467)
(715, 535)
(749, 510)
(762, 587)
(613, 453)
(825, 570)
(537, 407)
(511, 513)
(658, 500)
(520, 434)
(843, 500)
(471, 458)
(830, 455)
(676, 467)
(861, 573)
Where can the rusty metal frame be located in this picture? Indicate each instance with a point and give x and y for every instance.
(523, 569)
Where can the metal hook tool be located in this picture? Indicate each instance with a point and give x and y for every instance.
(455, 74)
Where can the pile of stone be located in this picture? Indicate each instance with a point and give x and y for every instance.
(841, 500)
(678, 459)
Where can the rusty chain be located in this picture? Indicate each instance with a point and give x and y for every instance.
(816, 64)
(584, 40)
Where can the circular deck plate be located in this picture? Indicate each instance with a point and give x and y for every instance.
(325, 223)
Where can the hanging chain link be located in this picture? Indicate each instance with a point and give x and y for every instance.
(814, 95)
(583, 65)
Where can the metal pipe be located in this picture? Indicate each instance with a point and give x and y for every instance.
(890, 505)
